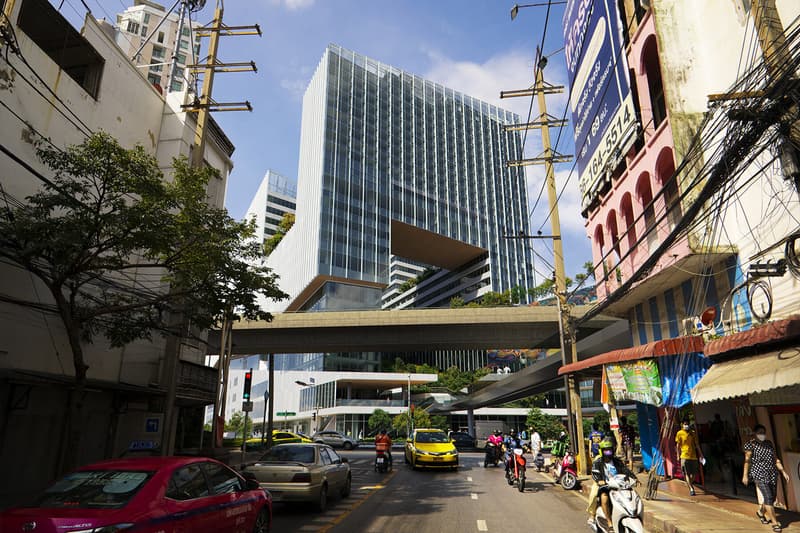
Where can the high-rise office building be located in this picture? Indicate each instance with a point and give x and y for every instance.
(276, 197)
(171, 37)
(396, 166)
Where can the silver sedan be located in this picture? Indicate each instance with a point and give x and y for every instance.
(301, 472)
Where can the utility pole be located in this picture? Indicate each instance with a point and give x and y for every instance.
(772, 38)
(203, 106)
(548, 158)
(270, 416)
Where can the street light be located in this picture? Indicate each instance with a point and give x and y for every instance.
(515, 9)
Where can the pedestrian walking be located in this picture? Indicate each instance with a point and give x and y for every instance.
(628, 437)
(536, 441)
(761, 465)
(689, 453)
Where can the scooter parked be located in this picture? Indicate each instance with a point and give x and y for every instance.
(565, 473)
(515, 471)
(626, 508)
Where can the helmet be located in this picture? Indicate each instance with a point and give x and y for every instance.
(512, 432)
(606, 445)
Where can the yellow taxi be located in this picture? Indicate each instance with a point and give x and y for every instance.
(430, 448)
(280, 436)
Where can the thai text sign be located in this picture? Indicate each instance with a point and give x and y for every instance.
(603, 115)
(638, 381)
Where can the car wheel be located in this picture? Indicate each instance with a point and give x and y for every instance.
(348, 446)
(322, 499)
(347, 487)
(262, 522)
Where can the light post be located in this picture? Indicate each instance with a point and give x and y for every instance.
(316, 407)
(409, 425)
(516, 8)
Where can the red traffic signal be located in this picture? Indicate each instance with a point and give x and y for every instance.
(248, 381)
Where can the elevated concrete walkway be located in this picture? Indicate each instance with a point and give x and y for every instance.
(405, 330)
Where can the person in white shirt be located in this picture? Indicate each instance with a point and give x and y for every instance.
(536, 441)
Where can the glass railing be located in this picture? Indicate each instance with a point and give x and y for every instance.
(370, 403)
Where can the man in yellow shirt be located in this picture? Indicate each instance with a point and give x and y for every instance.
(688, 452)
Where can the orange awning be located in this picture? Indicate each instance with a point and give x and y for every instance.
(676, 346)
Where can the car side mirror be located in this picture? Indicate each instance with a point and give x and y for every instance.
(250, 481)
(345, 460)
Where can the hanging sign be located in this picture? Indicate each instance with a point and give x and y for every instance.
(635, 381)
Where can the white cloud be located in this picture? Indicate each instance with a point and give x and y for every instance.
(295, 88)
(294, 5)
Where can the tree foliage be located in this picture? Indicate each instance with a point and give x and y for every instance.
(379, 419)
(237, 425)
(119, 247)
(122, 251)
(548, 426)
(421, 419)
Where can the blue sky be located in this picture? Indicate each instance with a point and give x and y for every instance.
(470, 45)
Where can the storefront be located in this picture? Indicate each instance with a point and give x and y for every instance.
(657, 377)
(756, 373)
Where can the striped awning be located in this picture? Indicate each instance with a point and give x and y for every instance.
(749, 375)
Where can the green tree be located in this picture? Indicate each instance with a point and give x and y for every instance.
(456, 302)
(379, 419)
(548, 426)
(283, 228)
(421, 419)
(439, 421)
(237, 425)
(107, 212)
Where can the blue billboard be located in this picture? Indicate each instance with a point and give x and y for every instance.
(601, 103)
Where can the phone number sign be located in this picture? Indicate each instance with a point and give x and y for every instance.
(601, 103)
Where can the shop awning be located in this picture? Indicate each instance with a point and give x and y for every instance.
(749, 375)
(676, 346)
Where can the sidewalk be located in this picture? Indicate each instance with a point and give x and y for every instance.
(674, 511)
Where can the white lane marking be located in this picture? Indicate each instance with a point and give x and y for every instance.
(473, 496)
(482, 525)
(469, 478)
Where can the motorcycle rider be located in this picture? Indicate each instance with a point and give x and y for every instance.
(511, 441)
(383, 442)
(495, 439)
(604, 469)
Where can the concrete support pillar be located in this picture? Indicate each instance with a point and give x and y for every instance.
(471, 422)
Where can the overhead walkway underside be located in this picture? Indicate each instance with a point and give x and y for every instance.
(405, 330)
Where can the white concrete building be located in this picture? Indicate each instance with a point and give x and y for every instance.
(276, 196)
(60, 85)
(171, 39)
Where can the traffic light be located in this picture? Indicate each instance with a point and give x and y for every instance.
(248, 380)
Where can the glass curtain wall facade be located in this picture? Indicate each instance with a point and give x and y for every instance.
(397, 146)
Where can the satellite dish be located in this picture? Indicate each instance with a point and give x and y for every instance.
(708, 316)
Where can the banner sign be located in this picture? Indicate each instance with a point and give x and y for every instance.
(637, 381)
(603, 115)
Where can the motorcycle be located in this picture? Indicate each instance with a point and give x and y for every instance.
(626, 508)
(565, 473)
(539, 463)
(382, 462)
(492, 455)
(516, 474)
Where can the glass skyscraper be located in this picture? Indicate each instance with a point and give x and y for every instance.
(386, 157)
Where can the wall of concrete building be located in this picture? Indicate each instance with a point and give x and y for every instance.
(36, 367)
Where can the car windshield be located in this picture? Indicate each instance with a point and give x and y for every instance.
(432, 436)
(289, 454)
(107, 489)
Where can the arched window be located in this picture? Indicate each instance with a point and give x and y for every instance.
(645, 195)
(599, 242)
(613, 231)
(665, 168)
(652, 69)
(626, 212)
